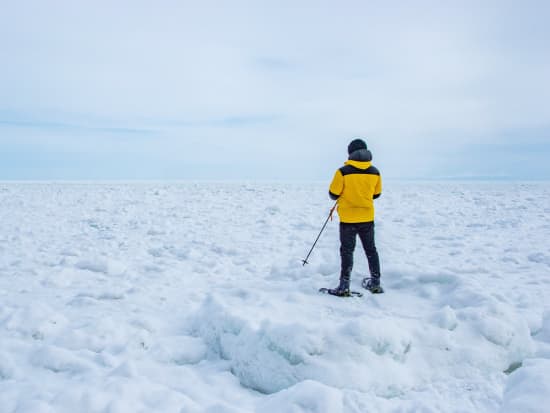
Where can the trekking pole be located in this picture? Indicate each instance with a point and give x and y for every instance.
(320, 232)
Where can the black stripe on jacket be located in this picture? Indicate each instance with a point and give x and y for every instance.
(349, 170)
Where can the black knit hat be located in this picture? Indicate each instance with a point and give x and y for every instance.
(355, 145)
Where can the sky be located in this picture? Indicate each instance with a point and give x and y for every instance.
(273, 90)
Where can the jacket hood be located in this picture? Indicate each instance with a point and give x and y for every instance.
(361, 155)
(360, 159)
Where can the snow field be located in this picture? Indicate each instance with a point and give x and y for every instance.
(191, 297)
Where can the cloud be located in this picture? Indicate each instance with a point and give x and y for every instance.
(59, 126)
(287, 81)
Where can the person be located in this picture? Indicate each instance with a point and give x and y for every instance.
(355, 185)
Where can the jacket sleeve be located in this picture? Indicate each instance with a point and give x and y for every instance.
(378, 188)
(336, 186)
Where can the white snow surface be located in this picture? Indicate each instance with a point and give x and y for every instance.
(191, 297)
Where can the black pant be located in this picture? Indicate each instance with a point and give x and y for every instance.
(348, 236)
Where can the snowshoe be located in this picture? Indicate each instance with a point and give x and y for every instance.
(340, 292)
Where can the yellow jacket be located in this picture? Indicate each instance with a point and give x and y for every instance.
(355, 186)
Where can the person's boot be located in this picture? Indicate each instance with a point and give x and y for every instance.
(373, 285)
(343, 288)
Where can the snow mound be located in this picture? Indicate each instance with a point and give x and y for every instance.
(305, 397)
(528, 388)
(60, 360)
(37, 321)
(101, 265)
(271, 357)
(179, 350)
